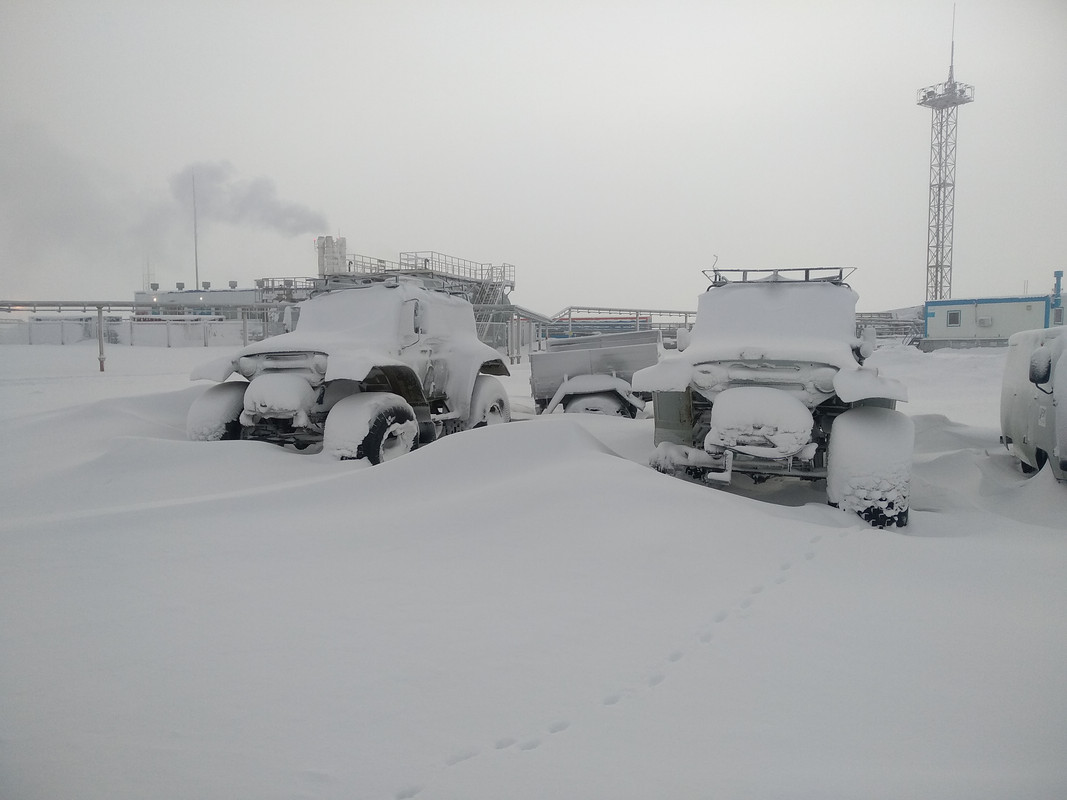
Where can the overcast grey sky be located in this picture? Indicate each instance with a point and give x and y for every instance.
(609, 150)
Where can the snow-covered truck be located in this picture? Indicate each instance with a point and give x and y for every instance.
(591, 374)
(772, 383)
(372, 371)
(1033, 400)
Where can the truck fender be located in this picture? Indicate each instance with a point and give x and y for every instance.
(496, 367)
(356, 365)
(403, 381)
(864, 383)
(217, 369)
(671, 374)
(592, 384)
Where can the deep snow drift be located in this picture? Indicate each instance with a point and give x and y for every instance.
(522, 611)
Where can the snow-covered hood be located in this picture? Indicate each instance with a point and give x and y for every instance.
(851, 381)
(791, 322)
(674, 372)
(344, 359)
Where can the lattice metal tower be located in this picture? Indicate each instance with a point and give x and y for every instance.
(943, 99)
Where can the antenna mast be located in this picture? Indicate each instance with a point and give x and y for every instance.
(196, 257)
(943, 99)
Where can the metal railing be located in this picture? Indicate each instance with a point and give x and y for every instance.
(593, 319)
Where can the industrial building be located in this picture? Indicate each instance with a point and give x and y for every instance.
(989, 321)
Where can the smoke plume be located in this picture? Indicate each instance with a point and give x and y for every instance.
(221, 196)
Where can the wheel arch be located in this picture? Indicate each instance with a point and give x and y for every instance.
(402, 380)
(494, 367)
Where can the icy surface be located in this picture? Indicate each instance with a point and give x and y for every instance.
(520, 611)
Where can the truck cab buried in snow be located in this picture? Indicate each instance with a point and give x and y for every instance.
(773, 383)
(372, 371)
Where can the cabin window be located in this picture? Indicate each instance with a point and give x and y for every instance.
(953, 319)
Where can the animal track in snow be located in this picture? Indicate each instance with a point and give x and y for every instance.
(706, 636)
(461, 756)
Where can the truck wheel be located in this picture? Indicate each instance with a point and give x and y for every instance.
(489, 403)
(868, 467)
(214, 414)
(607, 403)
(377, 426)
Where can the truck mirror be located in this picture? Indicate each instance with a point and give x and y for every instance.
(409, 323)
(1040, 366)
(683, 338)
(868, 342)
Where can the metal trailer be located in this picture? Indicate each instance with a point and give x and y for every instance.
(592, 374)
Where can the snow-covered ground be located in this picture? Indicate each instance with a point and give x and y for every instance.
(522, 611)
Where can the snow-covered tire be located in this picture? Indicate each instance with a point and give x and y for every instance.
(214, 414)
(377, 426)
(489, 403)
(606, 403)
(869, 465)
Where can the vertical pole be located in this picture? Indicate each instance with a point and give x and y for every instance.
(100, 334)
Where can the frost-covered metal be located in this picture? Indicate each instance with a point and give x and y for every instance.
(772, 362)
(392, 336)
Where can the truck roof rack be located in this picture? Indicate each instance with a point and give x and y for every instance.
(834, 275)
